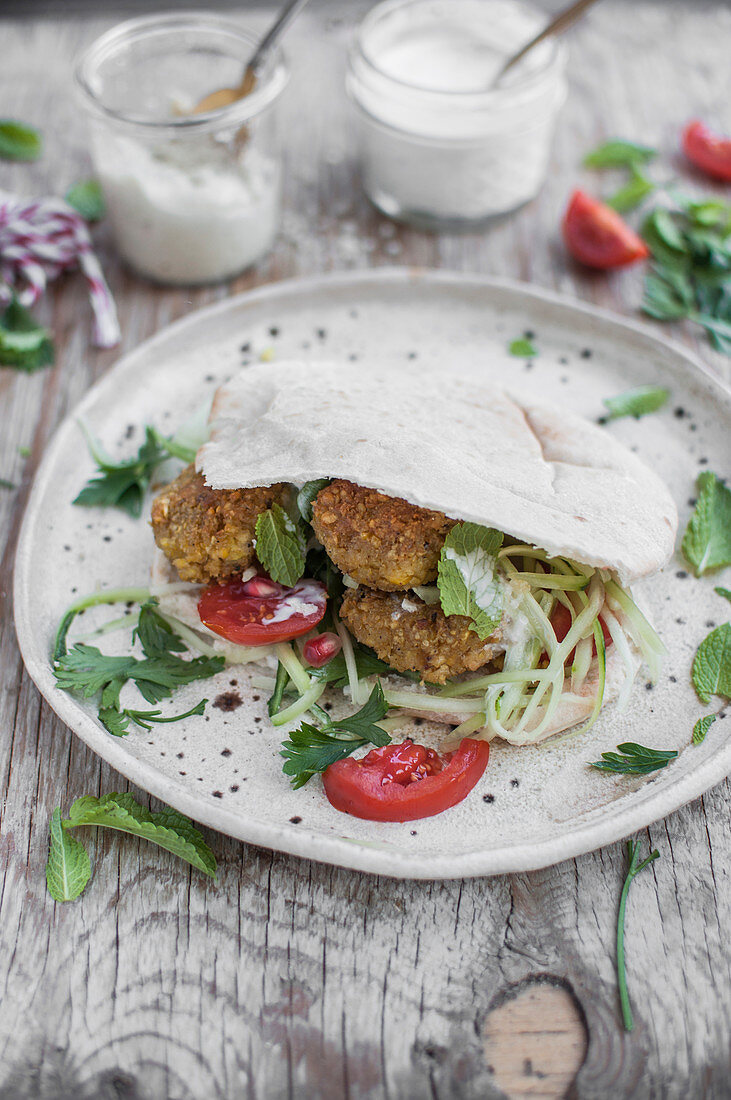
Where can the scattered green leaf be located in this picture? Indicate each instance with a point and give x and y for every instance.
(632, 193)
(633, 854)
(711, 673)
(279, 546)
(637, 402)
(633, 759)
(68, 868)
(707, 540)
(87, 199)
(725, 592)
(5, 484)
(306, 497)
(701, 728)
(523, 348)
(18, 141)
(468, 581)
(24, 344)
(619, 154)
(309, 750)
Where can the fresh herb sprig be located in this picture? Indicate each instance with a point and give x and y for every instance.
(636, 402)
(701, 728)
(24, 344)
(707, 540)
(523, 348)
(19, 141)
(87, 199)
(633, 854)
(634, 759)
(309, 750)
(69, 868)
(467, 565)
(711, 672)
(280, 546)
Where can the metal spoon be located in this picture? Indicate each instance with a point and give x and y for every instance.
(223, 97)
(558, 25)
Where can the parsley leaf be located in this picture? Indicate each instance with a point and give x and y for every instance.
(637, 402)
(632, 193)
(155, 635)
(18, 141)
(68, 868)
(618, 154)
(523, 347)
(122, 484)
(711, 673)
(279, 546)
(468, 584)
(310, 750)
(24, 344)
(117, 721)
(167, 828)
(633, 852)
(707, 540)
(701, 728)
(633, 759)
(87, 199)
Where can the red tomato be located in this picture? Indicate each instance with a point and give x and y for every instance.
(708, 151)
(260, 611)
(597, 236)
(561, 623)
(405, 782)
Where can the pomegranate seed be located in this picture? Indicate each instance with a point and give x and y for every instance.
(261, 588)
(322, 648)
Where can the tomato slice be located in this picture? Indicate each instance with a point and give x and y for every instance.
(405, 782)
(708, 151)
(595, 234)
(561, 623)
(260, 611)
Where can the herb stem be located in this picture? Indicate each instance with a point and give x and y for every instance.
(633, 852)
(96, 599)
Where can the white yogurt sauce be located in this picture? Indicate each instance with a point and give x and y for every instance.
(436, 143)
(188, 213)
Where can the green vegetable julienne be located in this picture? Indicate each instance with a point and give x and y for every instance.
(637, 402)
(711, 672)
(619, 154)
(468, 581)
(279, 546)
(701, 728)
(18, 141)
(68, 868)
(707, 540)
(87, 199)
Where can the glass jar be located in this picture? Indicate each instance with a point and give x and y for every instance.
(438, 147)
(191, 198)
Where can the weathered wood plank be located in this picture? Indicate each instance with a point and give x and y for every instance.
(290, 979)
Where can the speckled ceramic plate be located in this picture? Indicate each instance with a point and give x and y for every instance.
(533, 806)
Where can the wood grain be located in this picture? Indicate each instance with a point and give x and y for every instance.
(291, 979)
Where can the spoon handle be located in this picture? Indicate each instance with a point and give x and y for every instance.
(285, 17)
(560, 23)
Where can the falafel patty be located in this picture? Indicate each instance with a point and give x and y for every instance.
(423, 640)
(207, 533)
(380, 541)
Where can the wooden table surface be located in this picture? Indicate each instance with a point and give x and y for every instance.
(291, 979)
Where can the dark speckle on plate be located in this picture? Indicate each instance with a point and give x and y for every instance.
(295, 820)
(681, 574)
(225, 752)
(514, 782)
(488, 798)
(227, 701)
(586, 353)
(217, 794)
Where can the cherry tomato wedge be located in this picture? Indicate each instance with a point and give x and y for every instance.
(708, 151)
(260, 611)
(405, 782)
(595, 234)
(561, 623)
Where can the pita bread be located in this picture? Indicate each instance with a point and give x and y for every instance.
(450, 441)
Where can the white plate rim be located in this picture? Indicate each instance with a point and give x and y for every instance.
(613, 825)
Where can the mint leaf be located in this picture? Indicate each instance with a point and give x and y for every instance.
(18, 141)
(468, 583)
(167, 828)
(637, 402)
(725, 592)
(707, 540)
(87, 199)
(632, 193)
(68, 868)
(523, 348)
(619, 154)
(701, 728)
(24, 344)
(711, 673)
(279, 547)
(306, 497)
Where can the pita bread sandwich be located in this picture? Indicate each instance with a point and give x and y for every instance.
(467, 551)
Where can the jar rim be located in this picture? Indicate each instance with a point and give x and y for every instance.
(554, 63)
(131, 30)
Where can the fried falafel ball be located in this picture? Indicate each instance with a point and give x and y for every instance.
(423, 640)
(380, 541)
(207, 533)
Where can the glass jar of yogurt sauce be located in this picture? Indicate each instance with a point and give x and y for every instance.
(438, 146)
(192, 198)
